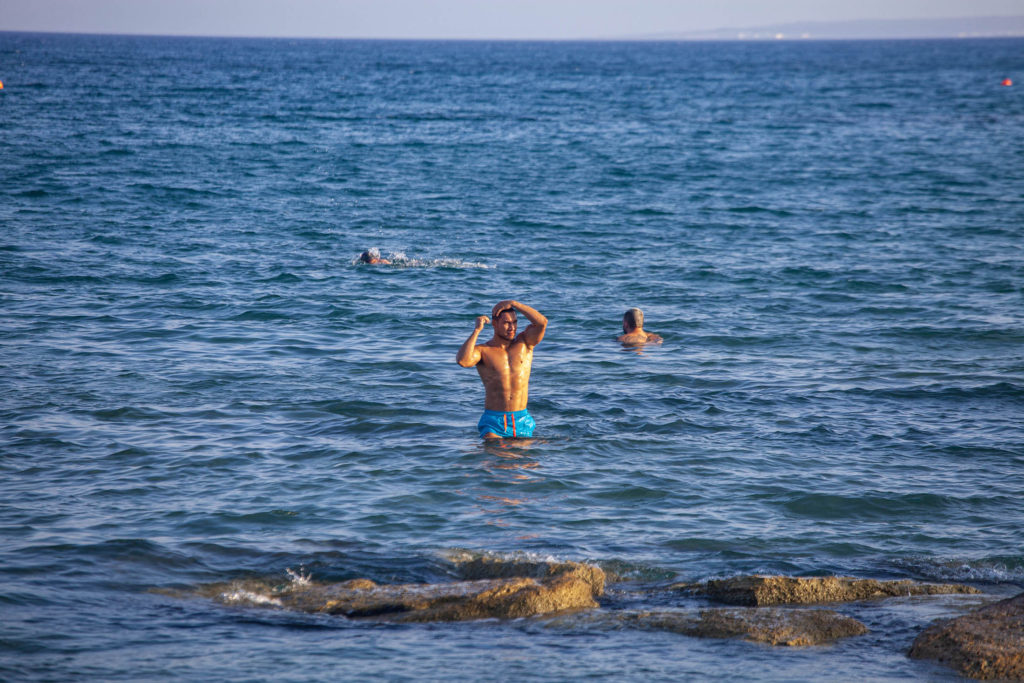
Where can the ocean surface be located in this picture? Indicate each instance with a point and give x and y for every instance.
(199, 383)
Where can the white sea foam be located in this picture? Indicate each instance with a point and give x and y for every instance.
(241, 596)
(298, 577)
(960, 570)
(399, 259)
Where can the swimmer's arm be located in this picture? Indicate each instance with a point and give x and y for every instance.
(538, 323)
(469, 354)
(654, 338)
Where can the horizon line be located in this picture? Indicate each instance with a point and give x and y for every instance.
(924, 28)
(646, 38)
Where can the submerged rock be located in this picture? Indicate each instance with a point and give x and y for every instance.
(987, 643)
(563, 586)
(772, 626)
(759, 591)
(791, 627)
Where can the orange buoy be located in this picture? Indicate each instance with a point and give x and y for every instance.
(1, 85)
(1006, 81)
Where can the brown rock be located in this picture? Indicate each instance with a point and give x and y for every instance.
(786, 590)
(792, 627)
(509, 598)
(476, 566)
(987, 643)
(512, 599)
(778, 627)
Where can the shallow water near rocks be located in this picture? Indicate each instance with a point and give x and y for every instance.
(202, 385)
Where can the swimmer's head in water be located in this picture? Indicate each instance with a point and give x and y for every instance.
(633, 320)
(370, 255)
(505, 323)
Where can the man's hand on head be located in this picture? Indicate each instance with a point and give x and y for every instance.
(502, 306)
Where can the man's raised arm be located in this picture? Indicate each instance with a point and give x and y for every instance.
(538, 323)
(468, 354)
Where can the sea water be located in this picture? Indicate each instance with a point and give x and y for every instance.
(201, 383)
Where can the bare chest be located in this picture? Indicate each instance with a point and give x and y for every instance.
(511, 361)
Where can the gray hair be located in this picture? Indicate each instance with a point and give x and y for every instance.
(634, 318)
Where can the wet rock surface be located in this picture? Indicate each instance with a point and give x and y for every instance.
(772, 626)
(480, 566)
(563, 586)
(757, 591)
(987, 643)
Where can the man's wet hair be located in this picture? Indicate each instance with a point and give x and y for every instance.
(370, 254)
(634, 318)
(504, 310)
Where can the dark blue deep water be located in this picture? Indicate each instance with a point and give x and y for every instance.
(199, 384)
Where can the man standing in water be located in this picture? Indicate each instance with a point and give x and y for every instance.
(504, 365)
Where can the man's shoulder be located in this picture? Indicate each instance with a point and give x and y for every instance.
(641, 338)
(522, 340)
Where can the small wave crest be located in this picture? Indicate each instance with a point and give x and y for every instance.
(990, 570)
(457, 556)
(257, 592)
(625, 570)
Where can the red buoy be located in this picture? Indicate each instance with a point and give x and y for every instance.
(1007, 82)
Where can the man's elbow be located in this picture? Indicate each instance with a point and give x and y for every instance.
(535, 333)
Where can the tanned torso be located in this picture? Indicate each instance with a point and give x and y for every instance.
(505, 372)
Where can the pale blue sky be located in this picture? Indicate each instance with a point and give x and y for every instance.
(541, 19)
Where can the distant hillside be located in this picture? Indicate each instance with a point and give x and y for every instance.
(966, 27)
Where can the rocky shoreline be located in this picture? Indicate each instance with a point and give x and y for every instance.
(987, 643)
(774, 610)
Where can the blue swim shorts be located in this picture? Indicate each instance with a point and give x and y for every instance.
(519, 424)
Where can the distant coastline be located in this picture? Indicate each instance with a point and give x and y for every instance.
(861, 29)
